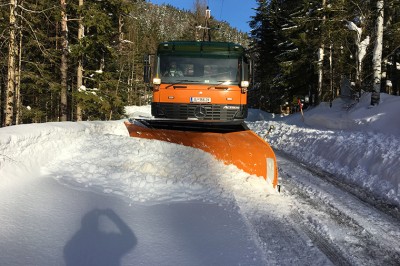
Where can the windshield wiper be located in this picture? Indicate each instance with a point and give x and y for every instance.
(180, 81)
(221, 82)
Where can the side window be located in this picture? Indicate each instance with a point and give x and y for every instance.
(245, 71)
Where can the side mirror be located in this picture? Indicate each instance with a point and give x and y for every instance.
(146, 69)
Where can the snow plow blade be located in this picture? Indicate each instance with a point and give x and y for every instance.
(233, 143)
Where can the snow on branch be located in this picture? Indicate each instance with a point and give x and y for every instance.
(363, 48)
(352, 26)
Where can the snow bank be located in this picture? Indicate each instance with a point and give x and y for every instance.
(359, 144)
(177, 200)
(101, 157)
(25, 148)
(348, 115)
(137, 111)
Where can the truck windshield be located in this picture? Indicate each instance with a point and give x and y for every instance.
(174, 69)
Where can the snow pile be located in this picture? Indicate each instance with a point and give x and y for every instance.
(25, 148)
(100, 157)
(138, 111)
(359, 144)
(177, 200)
(138, 169)
(352, 116)
(150, 171)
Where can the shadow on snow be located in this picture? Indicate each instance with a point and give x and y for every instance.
(103, 239)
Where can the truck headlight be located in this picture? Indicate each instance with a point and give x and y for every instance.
(244, 84)
(156, 81)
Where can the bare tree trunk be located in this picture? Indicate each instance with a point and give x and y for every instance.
(2, 92)
(321, 56)
(120, 39)
(395, 76)
(199, 7)
(64, 61)
(18, 81)
(331, 72)
(377, 55)
(12, 52)
(79, 74)
(120, 32)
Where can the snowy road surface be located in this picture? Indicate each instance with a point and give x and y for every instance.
(343, 223)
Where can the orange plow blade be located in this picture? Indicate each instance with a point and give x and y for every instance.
(244, 148)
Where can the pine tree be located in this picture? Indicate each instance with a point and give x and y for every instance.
(40, 79)
(264, 49)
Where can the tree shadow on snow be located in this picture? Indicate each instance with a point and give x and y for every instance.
(103, 239)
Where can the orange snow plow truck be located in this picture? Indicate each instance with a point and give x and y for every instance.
(200, 100)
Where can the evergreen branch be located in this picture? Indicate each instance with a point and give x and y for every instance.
(34, 34)
(36, 11)
(392, 52)
(4, 4)
(36, 65)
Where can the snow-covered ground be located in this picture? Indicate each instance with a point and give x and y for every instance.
(358, 143)
(87, 194)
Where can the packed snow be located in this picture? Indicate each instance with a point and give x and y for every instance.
(85, 193)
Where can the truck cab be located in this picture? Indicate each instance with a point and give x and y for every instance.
(200, 81)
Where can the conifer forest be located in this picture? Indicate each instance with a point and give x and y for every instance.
(74, 60)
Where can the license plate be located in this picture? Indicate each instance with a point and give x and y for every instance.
(200, 99)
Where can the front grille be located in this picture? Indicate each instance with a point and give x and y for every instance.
(198, 111)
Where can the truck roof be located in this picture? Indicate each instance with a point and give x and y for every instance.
(189, 48)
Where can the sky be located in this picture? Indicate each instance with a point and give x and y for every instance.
(85, 193)
(237, 13)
